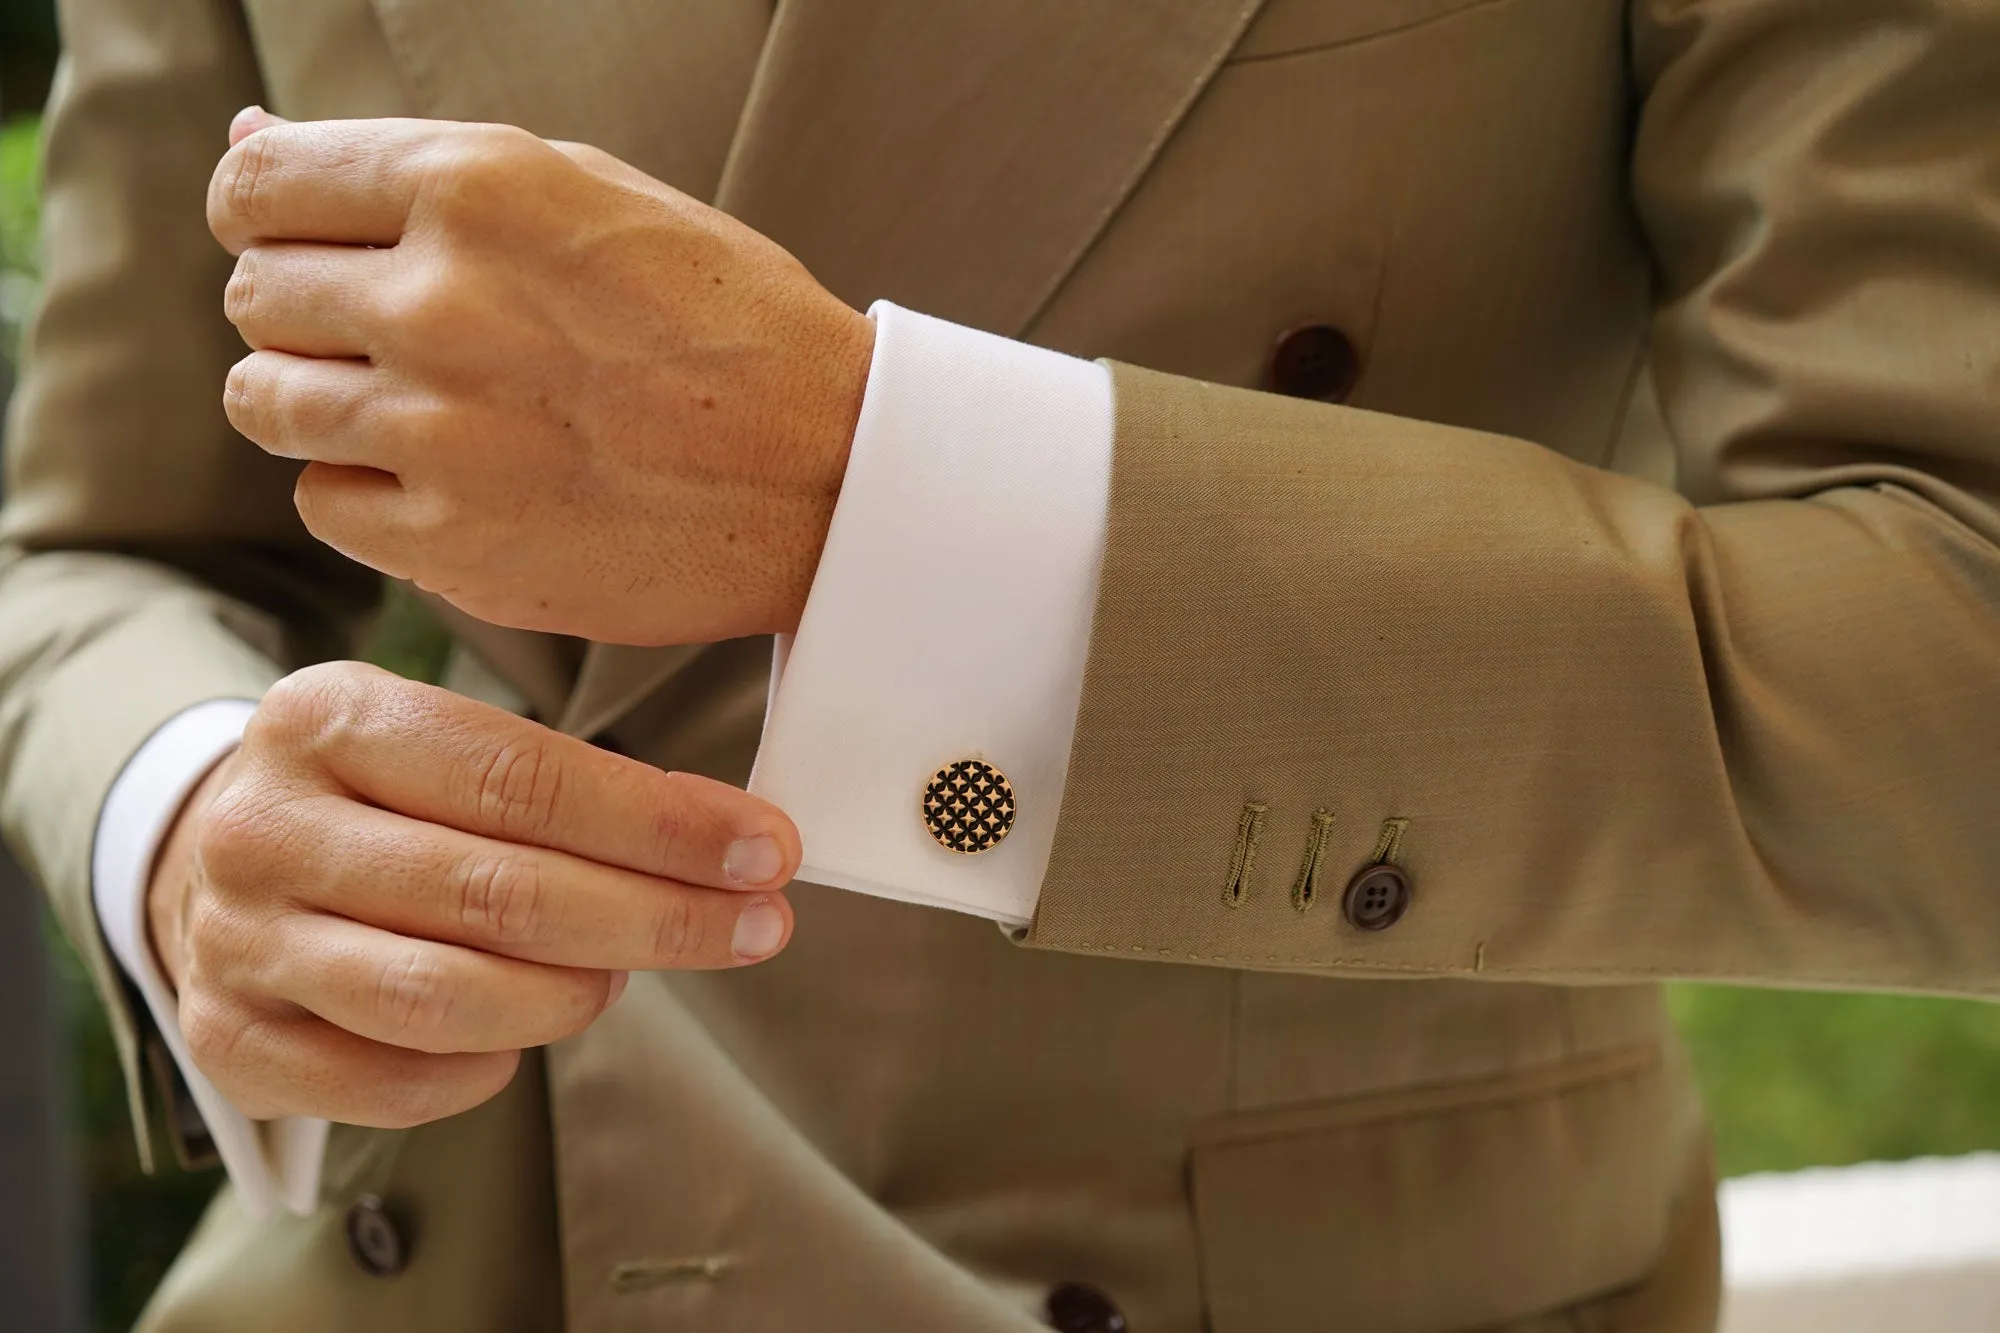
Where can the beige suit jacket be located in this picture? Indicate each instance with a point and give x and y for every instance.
(1648, 585)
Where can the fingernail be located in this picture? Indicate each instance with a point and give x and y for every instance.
(247, 122)
(618, 985)
(753, 860)
(759, 931)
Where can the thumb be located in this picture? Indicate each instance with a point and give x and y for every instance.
(249, 120)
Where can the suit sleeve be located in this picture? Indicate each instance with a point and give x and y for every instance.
(1607, 731)
(150, 559)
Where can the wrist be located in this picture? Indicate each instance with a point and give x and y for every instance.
(829, 440)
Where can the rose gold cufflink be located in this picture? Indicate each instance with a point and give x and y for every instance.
(969, 806)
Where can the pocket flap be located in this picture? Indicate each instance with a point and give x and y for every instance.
(1438, 1209)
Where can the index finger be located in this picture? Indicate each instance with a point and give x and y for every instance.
(445, 759)
(344, 181)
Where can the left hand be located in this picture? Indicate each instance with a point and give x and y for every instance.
(533, 379)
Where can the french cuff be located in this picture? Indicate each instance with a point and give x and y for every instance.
(920, 720)
(273, 1163)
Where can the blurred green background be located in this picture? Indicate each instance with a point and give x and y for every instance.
(1792, 1079)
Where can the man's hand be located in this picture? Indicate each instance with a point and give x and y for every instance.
(533, 379)
(388, 892)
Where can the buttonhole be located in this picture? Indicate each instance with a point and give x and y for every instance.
(644, 1274)
(1249, 828)
(1306, 888)
(1390, 844)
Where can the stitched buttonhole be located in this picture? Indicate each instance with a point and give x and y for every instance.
(1306, 887)
(1389, 846)
(645, 1274)
(1249, 828)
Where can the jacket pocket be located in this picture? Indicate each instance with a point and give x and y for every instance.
(1435, 1209)
(1296, 27)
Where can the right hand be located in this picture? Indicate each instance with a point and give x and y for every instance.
(389, 891)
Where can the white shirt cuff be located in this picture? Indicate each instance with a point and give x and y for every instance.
(950, 615)
(274, 1163)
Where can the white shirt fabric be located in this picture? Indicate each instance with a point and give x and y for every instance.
(949, 619)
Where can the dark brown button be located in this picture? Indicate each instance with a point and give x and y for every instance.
(374, 1239)
(1073, 1307)
(1316, 361)
(1377, 897)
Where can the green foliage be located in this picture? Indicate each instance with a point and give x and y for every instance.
(19, 223)
(1797, 1079)
(18, 195)
(408, 639)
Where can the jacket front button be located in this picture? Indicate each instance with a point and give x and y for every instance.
(374, 1239)
(1316, 361)
(1073, 1307)
(1377, 897)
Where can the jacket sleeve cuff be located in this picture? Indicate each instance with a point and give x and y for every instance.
(950, 616)
(273, 1164)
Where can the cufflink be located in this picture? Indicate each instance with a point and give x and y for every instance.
(969, 807)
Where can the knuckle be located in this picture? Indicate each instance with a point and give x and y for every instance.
(246, 397)
(667, 822)
(211, 939)
(239, 840)
(519, 788)
(246, 192)
(422, 424)
(205, 933)
(414, 997)
(214, 1031)
(501, 898)
(591, 158)
(666, 828)
(434, 518)
(444, 1086)
(230, 829)
(422, 312)
(501, 149)
(463, 172)
(317, 709)
(677, 933)
(239, 296)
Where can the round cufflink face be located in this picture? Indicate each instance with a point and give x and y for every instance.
(969, 806)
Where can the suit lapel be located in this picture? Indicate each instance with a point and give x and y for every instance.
(958, 159)
(659, 83)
